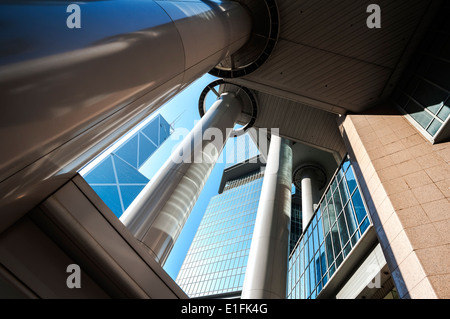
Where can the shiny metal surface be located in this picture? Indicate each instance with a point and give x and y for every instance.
(65, 91)
(157, 215)
(266, 273)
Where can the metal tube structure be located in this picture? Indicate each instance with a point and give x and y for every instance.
(74, 77)
(309, 192)
(158, 214)
(266, 273)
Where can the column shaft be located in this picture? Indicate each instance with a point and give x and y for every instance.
(266, 272)
(309, 194)
(158, 214)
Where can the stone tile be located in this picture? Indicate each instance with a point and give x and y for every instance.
(385, 132)
(441, 285)
(396, 185)
(379, 195)
(413, 216)
(368, 137)
(427, 193)
(388, 173)
(373, 181)
(429, 160)
(400, 157)
(394, 147)
(408, 167)
(400, 246)
(443, 228)
(403, 200)
(423, 290)
(392, 226)
(378, 152)
(404, 132)
(438, 173)
(411, 271)
(444, 187)
(371, 145)
(413, 140)
(423, 236)
(435, 260)
(417, 179)
(388, 139)
(445, 153)
(384, 209)
(382, 162)
(364, 131)
(437, 210)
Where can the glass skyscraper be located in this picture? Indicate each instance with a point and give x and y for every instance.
(216, 261)
(116, 177)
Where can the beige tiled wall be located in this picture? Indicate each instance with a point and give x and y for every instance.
(407, 183)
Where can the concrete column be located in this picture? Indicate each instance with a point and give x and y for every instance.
(158, 214)
(266, 273)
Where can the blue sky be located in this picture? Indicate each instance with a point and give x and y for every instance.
(183, 109)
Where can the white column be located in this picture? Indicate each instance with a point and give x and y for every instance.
(310, 178)
(157, 216)
(266, 273)
(309, 191)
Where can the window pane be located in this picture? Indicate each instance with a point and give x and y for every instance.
(329, 250)
(418, 113)
(444, 112)
(434, 127)
(337, 202)
(336, 241)
(326, 223)
(343, 230)
(351, 221)
(351, 181)
(358, 206)
(364, 225)
(344, 192)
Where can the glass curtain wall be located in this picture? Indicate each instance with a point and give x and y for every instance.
(217, 259)
(338, 224)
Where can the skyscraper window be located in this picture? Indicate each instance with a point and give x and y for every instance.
(115, 174)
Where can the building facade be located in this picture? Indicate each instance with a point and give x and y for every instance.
(216, 261)
(116, 177)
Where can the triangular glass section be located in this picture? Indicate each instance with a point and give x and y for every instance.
(127, 174)
(151, 130)
(164, 130)
(146, 149)
(103, 173)
(129, 193)
(110, 196)
(129, 151)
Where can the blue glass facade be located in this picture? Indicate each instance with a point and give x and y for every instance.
(217, 259)
(338, 224)
(116, 178)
